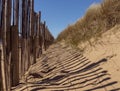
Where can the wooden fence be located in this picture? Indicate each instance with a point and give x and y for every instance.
(23, 37)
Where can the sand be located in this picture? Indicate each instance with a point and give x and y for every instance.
(107, 47)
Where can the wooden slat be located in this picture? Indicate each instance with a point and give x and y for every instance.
(8, 46)
(1, 87)
(15, 57)
(4, 28)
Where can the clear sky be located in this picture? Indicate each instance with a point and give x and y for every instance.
(58, 14)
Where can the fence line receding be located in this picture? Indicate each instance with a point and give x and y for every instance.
(23, 37)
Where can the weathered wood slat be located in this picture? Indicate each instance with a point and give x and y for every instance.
(0, 70)
(4, 61)
(14, 40)
(15, 56)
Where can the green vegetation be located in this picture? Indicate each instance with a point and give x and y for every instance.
(98, 19)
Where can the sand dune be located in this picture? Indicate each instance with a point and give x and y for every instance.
(108, 46)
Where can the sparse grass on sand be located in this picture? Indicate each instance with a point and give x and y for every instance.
(98, 19)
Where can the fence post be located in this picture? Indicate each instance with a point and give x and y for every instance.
(15, 57)
(44, 27)
(4, 29)
(8, 42)
(39, 35)
(15, 45)
(1, 86)
(31, 30)
(35, 38)
(23, 37)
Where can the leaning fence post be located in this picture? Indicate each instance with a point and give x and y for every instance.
(4, 29)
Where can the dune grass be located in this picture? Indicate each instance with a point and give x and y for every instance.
(98, 19)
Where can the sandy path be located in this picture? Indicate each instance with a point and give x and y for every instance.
(63, 69)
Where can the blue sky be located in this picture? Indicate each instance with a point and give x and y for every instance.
(58, 14)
